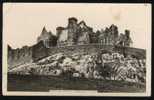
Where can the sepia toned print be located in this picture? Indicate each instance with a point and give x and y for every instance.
(104, 52)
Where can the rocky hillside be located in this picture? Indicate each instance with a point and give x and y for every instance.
(108, 66)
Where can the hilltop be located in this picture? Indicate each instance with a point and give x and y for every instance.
(78, 51)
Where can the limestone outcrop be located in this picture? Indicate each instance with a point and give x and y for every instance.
(108, 66)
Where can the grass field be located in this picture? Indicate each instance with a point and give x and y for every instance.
(46, 83)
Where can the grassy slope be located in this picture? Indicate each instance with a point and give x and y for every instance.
(46, 83)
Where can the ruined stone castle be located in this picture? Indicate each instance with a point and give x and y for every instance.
(76, 37)
(79, 34)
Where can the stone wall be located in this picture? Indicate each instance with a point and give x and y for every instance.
(19, 56)
(39, 51)
(96, 48)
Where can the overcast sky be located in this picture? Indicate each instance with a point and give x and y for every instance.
(23, 23)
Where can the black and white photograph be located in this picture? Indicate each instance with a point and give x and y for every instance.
(82, 49)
